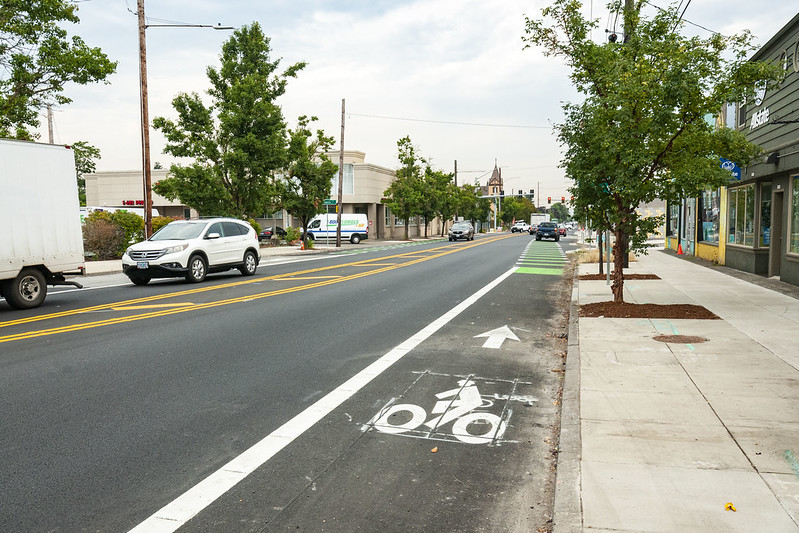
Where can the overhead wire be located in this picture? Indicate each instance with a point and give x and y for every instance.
(430, 121)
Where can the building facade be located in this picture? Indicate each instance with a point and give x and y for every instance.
(753, 224)
(763, 207)
(362, 192)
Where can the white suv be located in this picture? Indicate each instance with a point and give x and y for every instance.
(192, 249)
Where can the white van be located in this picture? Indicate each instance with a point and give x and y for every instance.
(354, 226)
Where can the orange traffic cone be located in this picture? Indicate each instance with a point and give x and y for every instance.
(302, 246)
(679, 249)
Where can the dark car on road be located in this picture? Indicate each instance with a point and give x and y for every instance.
(268, 232)
(547, 230)
(461, 230)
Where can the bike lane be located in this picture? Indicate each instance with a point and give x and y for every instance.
(456, 435)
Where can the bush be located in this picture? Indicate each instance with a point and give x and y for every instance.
(103, 238)
(132, 224)
(293, 234)
(256, 226)
(160, 222)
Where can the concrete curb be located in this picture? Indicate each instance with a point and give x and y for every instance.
(568, 511)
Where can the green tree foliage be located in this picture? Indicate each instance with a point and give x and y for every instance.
(435, 198)
(85, 154)
(560, 212)
(641, 131)
(470, 206)
(239, 142)
(37, 59)
(404, 196)
(512, 209)
(309, 173)
(448, 204)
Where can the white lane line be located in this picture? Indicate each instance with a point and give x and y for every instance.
(176, 513)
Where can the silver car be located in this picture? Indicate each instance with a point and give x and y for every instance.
(461, 230)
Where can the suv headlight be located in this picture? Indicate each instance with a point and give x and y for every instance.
(175, 249)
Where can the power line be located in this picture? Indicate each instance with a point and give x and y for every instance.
(686, 20)
(448, 122)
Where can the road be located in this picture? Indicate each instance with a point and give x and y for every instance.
(349, 392)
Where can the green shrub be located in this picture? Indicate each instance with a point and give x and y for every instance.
(132, 224)
(160, 222)
(256, 226)
(103, 238)
(293, 234)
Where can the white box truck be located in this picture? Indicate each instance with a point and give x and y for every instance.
(41, 239)
(354, 227)
(537, 218)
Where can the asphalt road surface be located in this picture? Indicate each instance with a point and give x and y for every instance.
(403, 388)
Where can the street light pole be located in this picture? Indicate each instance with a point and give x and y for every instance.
(145, 124)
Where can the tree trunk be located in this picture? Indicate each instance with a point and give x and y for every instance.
(407, 229)
(618, 267)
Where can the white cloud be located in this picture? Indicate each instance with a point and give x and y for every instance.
(437, 60)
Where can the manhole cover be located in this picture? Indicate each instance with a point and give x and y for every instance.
(680, 339)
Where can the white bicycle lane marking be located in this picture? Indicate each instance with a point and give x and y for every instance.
(182, 509)
(465, 406)
(458, 407)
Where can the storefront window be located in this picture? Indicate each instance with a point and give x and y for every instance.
(742, 215)
(674, 215)
(795, 216)
(765, 215)
(709, 211)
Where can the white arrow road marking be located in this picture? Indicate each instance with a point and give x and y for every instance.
(497, 336)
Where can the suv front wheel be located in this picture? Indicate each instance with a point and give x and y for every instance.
(198, 268)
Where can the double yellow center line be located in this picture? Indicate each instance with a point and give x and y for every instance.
(162, 310)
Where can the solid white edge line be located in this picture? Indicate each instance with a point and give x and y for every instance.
(176, 513)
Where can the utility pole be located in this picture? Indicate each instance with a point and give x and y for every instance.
(50, 123)
(145, 124)
(340, 178)
(628, 20)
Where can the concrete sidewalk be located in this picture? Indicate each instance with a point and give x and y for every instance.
(660, 437)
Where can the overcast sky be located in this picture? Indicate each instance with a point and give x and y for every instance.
(454, 71)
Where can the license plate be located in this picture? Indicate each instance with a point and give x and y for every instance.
(143, 265)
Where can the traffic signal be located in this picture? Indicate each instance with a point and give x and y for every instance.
(563, 199)
(549, 199)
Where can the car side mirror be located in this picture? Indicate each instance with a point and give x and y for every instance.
(212, 236)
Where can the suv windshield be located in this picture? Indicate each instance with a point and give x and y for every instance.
(460, 226)
(546, 225)
(179, 232)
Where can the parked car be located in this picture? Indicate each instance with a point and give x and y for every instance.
(533, 229)
(520, 226)
(192, 249)
(270, 231)
(461, 230)
(547, 230)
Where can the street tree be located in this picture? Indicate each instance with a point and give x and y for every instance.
(560, 212)
(434, 199)
(641, 131)
(38, 59)
(471, 206)
(238, 143)
(511, 209)
(448, 205)
(309, 173)
(404, 195)
(85, 155)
